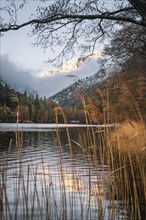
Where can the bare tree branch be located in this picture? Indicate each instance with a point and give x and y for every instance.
(57, 17)
(67, 23)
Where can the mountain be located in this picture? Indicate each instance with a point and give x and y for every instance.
(73, 65)
(118, 96)
(72, 95)
(50, 81)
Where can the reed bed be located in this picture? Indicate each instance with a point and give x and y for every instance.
(112, 187)
(126, 157)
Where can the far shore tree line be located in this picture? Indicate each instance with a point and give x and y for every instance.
(33, 109)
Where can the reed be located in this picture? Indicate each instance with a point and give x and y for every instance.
(119, 154)
(127, 161)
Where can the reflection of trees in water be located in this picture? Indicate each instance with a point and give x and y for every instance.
(57, 138)
(24, 139)
(74, 136)
(5, 139)
(36, 139)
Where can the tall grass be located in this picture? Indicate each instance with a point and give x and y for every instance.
(126, 158)
(118, 156)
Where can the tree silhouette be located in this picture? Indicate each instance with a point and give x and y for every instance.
(75, 24)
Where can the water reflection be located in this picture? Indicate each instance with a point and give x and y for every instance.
(42, 179)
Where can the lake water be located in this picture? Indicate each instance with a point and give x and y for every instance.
(44, 175)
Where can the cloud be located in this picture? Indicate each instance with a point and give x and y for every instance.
(26, 79)
(14, 76)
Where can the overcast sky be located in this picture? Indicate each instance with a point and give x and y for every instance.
(21, 63)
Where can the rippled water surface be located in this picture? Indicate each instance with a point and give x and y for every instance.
(43, 178)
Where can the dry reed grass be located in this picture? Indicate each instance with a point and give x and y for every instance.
(130, 137)
(126, 149)
(122, 150)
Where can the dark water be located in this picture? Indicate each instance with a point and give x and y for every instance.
(42, 178)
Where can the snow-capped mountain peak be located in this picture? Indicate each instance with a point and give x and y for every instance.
(72, 65)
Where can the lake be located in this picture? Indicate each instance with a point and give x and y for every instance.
(45, 173)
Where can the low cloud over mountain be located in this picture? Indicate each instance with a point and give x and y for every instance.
(48, 82)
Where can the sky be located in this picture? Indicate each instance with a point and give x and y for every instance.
(19, 46)
(22, 63)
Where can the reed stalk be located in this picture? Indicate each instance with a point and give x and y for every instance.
(118, 153)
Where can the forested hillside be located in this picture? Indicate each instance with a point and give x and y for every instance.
(31, 107)
(71, 96)
(18, 107)
(120, 97)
